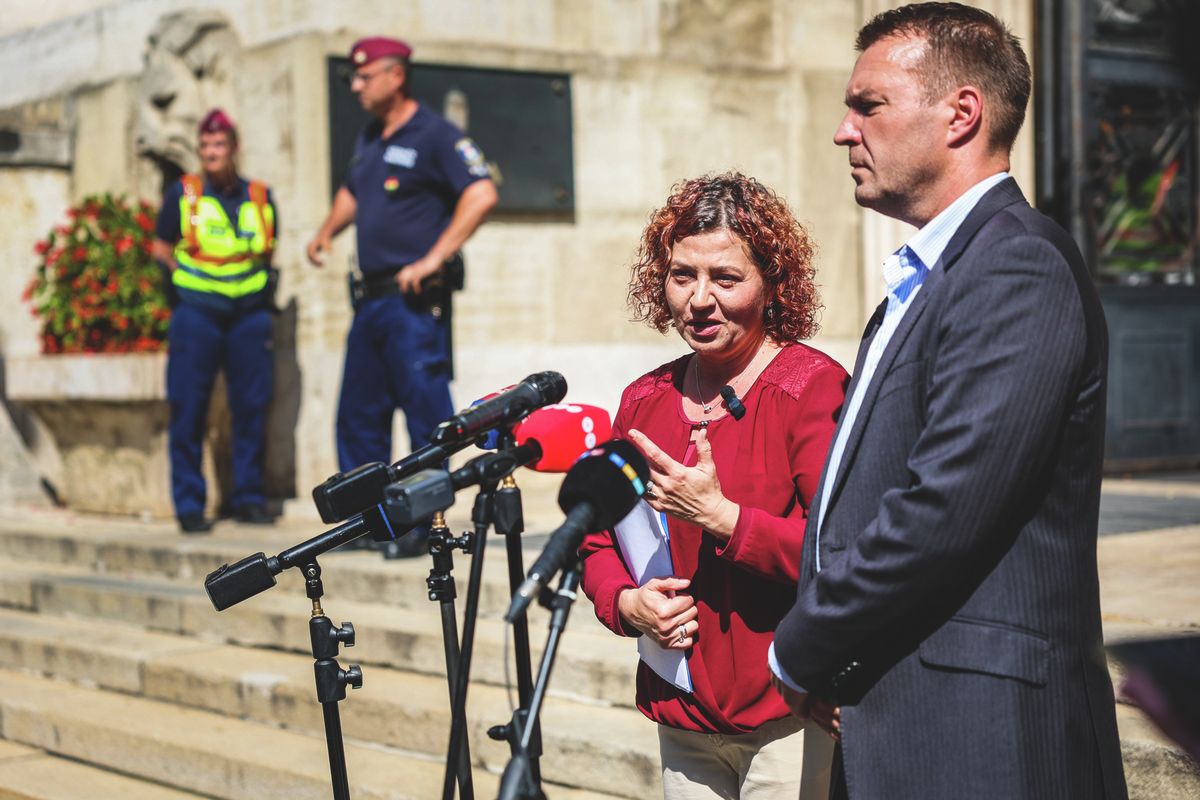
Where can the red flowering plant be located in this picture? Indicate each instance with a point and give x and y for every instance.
(97, 288)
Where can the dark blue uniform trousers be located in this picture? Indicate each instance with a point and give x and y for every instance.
(396, 357)
(202, 342)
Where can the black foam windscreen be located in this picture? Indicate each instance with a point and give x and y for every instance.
(610, 478)
(732, 402)
(509, 406)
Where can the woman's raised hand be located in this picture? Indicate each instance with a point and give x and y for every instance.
(692, 494)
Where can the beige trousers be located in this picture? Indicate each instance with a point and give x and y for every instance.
(782, 760)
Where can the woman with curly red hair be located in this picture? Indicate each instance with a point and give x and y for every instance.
(735, 434)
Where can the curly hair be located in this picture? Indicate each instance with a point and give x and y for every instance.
(778, 245)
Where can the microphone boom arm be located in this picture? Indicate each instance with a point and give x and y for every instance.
(230, 584)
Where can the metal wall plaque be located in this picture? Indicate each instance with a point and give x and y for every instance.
(520, 120)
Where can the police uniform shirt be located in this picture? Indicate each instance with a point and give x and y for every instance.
(168, 228)
(407, 187)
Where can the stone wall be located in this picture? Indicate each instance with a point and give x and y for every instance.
(662, 90)
(33, 198)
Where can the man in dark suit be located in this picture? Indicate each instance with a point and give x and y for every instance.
(947, 625)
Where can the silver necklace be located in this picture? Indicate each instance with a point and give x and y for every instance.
(706, 407)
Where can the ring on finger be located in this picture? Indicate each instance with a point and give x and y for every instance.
(682, 634)
(649, 492)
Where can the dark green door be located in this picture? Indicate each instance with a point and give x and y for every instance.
(1117, 165)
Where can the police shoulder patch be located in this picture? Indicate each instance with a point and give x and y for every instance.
(471, 155)
(468, 151)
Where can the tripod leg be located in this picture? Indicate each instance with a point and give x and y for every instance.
(517, 782)
(466, 787)
(442, 589)
(337, 752)
(458, 705)
(510, 522)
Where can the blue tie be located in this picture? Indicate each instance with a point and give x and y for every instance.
(903, 274)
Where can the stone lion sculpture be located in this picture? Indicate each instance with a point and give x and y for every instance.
(188, 64)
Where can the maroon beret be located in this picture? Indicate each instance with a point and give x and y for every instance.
(367, 50)
(215, 121)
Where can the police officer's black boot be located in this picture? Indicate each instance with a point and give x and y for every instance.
(195, 523)
(254, 515)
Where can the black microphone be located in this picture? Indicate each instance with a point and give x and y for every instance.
(346, 494)
(415, 499)
(602, 487)
(732, 403)
(230, 584)
(513, 405)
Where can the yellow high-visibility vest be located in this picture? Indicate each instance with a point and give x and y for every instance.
(217, 256)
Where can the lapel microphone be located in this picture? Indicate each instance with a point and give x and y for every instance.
(732, 403)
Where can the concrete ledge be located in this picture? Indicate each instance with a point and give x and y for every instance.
(112, 377)
(159, 551)
(108, 416)
(590, 664)
(202, 752)
(1146, 487)
(1156, 772)
(40, 776)
(606, 749)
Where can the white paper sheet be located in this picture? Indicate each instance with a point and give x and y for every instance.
(643, 539)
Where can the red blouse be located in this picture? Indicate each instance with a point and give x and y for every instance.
(768, 463)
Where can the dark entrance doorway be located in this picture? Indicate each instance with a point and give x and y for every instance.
(1118, 149)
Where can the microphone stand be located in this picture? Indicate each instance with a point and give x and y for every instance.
(442, 590)
(331, 678)
(481, 516)
(497, 504)
(230, 584)
(511, 523)
(519, 782)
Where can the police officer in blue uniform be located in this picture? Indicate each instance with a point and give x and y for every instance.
(215, 234)
(416, 190)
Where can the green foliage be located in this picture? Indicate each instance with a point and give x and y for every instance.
(97, 288)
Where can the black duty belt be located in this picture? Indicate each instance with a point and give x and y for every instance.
(435, 290)
(373, 285)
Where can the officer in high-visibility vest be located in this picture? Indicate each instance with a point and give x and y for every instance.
(215, 235)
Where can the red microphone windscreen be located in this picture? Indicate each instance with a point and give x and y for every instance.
(565, 431)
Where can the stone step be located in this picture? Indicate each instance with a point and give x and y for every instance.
(154, 549)
(607, 749)
(158, 550)
(148, 575)
(590, 664)
(207, 753)
(1155, 768)
(27, 773)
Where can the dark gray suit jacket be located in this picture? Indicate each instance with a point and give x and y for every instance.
(956, 617)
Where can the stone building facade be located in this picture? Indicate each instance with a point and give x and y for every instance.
(103, 94)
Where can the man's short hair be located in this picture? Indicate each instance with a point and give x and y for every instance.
(965, 46)
(403, 63)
